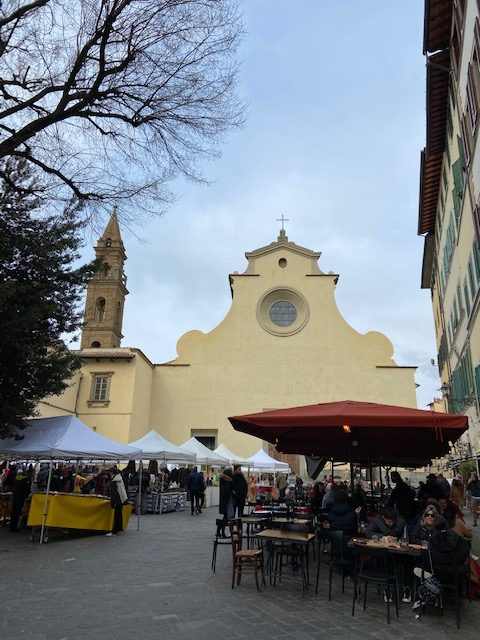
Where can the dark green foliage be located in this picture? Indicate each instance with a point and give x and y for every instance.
(40, 288)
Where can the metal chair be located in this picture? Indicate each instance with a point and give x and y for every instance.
(219, 540)
(337, 562)
(244, 560)
(373, 565)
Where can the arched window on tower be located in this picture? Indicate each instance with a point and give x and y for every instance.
(105, 270)
(100, 310)
(95, 345)
(118, 315)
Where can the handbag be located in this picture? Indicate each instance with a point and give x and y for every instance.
(429, 589)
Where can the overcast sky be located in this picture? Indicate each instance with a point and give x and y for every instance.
(335, 125)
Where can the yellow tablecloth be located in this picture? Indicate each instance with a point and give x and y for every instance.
(75, 512)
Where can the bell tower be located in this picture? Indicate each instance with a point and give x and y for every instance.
(106, 291)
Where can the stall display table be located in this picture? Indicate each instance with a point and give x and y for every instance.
(160, 501)
(72, 511)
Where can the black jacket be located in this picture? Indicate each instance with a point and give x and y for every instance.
(225, 493)
(342, 517)
(240, 488)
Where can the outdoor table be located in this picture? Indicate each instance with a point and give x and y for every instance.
(279, 535)
(74, 511)
(251, 521)
(412, 550)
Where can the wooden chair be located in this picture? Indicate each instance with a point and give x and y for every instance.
(244, 560)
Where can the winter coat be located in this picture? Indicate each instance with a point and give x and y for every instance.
(377, 525)
(403, 499)
(226, 491)
(342, 517)
(117, 491)
(420, 533)
(240, 488)
(195, 482)
(448, 550)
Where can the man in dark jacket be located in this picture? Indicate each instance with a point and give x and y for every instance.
(239, 489)
(387, 524)
(402, 498)
(21, 490)
(195, 486)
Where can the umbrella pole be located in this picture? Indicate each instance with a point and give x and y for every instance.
(381, 484)
(372, 491)
(351, 477)
(332, 471)
(45, 505)
(139, 508)
(161, 485)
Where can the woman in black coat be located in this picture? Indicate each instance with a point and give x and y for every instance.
(226, 507)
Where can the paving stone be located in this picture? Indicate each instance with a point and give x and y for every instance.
(156, 583)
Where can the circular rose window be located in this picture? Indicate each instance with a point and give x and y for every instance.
(282, 312)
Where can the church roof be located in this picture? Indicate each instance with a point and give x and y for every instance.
(283, 242)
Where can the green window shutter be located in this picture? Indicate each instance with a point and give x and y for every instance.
(457, 205)
(457, 168)
(471, 278)
(467, 298)
(476, 257)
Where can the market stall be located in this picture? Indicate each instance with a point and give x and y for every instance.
(153, 446)
(209, 458)
(63, 438)
(73, 512)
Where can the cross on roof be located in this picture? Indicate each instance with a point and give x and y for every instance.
(283, 220)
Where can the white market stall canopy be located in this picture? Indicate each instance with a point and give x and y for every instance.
(204, 454)
(156, 447)
(263, 462)
(225, 452)
(63, 438)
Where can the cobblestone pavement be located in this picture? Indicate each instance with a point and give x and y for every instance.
(156, 583)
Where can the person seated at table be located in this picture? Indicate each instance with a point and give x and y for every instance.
(388, 523)
(359, 499)
(455, 523)
(445, 503)
(317, 497)
(425, 527)
(329, 497)
(448, 550)
(342, 516)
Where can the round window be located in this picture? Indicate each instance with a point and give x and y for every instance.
(282, 313)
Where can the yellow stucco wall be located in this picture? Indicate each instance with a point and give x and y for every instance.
(239, 367)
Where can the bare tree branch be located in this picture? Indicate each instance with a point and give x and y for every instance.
(115, 97)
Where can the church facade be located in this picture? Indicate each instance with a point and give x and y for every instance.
(283, 343)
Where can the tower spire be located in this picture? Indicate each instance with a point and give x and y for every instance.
(106, 291)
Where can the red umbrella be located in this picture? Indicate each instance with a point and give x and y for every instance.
(357, 431)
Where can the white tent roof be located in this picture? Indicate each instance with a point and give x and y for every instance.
(204, 454)
(225, 452)
(156, 447)
(64, 438)
(262, 461)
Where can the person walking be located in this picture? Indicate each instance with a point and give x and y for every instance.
(281, 485)
(118, 497)
(195, 485)
(240, 489)
(21, 490)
